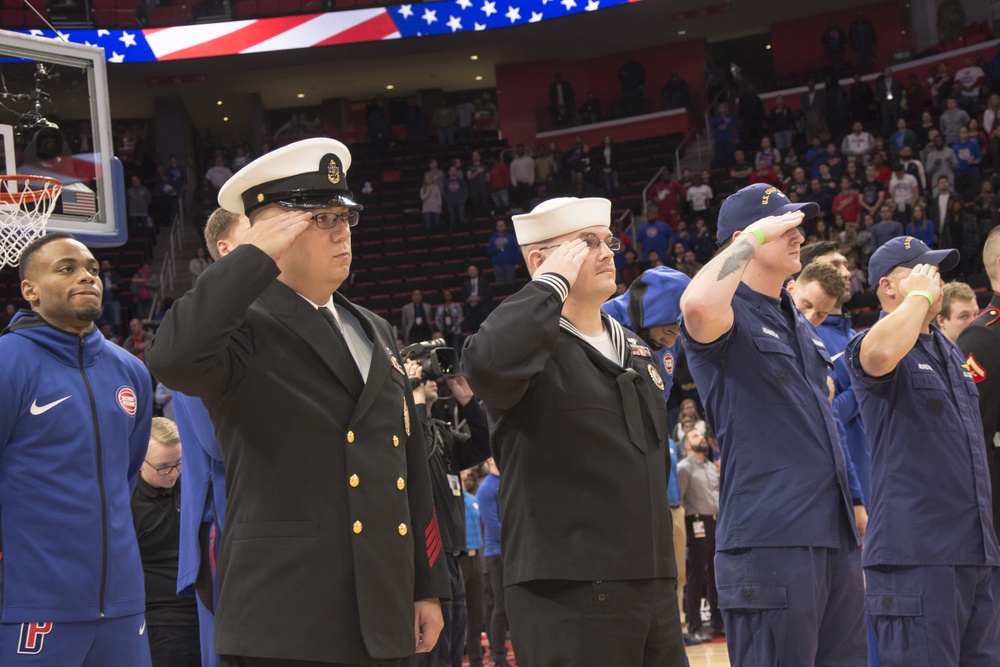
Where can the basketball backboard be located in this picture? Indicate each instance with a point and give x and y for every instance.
(55, 121)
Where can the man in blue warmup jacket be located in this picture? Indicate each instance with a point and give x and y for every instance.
(75, 417)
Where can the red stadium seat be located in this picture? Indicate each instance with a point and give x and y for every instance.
(159, 16)
(246, 9)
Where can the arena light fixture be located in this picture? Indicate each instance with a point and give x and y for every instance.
(219, 103)
(300, 95)
(389, 86)
(479, 78)
(473, 57)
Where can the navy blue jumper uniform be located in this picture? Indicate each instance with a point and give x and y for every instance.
(931, 554)
(788, 562)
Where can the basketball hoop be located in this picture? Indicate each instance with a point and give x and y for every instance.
(26, 202)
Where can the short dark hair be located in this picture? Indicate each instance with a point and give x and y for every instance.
(809, 253)
(30, 250)
(826, 275)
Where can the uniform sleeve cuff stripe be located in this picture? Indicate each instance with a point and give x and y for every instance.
(556, 282)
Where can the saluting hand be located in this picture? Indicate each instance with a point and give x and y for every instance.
(566, 260)
(275, 235)
(774, 226)
(923, 277)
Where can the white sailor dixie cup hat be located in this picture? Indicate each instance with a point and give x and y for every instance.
(306, 174)
(559, 216)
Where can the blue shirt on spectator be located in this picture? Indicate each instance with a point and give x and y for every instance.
(510, 253)
(965, 152)
(925, 233)
(655, 236)
(473, 527)
(489, 511)
(884, 231)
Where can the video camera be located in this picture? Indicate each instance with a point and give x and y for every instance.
(436, 359)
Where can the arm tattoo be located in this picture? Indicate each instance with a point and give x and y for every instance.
(736, 261)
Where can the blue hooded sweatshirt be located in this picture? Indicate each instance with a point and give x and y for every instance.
(654, 300)
(75, 415)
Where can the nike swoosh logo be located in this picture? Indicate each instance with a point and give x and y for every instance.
(837, 356)
(37, 409)
(143, 628)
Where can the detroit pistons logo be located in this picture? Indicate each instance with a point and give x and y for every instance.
(32, 638)
(668, 363)
(127, 400)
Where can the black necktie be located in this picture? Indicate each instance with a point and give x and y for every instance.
(357, 382)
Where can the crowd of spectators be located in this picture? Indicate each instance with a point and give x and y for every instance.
(881, 158)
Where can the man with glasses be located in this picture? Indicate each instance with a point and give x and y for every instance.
(171, 620)
(329, 510)
(788, 560)
(578, 430)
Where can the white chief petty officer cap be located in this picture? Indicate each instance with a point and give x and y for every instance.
(559, 216)
(311, 173)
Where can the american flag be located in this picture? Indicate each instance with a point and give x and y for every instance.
(305, 30)
(76, 202)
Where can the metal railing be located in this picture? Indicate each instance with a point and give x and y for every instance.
(168, 269)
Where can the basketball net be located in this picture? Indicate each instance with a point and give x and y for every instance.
(26, 202)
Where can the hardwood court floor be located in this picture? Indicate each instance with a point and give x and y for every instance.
(709, 655)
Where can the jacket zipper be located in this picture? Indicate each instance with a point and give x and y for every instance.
(100, 479)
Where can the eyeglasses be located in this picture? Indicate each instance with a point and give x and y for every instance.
(165, 470)
(330, 220)
(613, 242)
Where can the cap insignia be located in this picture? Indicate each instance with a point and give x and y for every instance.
(333, 171)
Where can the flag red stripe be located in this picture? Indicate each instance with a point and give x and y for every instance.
(241, 39)
(375, 28)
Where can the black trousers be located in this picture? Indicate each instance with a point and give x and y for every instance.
(608, 623)
(474, 573)
(175, 645)
(701, 573)
(242, 661)
(496, 627)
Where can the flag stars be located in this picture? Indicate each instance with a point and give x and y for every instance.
(568, 4)
(513, 13)
(535, 17)
(115, 58)
(464, 4)
(430, 15)
(454, 23)
(127, 39)
(406, 11)
(593, 5)
(489, 8)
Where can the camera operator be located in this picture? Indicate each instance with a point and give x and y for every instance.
(449, 451)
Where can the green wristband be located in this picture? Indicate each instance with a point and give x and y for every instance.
(759, 234)
(922, 292)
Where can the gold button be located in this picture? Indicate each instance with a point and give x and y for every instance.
(357, 527)
(400, 484)
(354, 480)
(402, 529)
(395, 441)
(350, 436)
